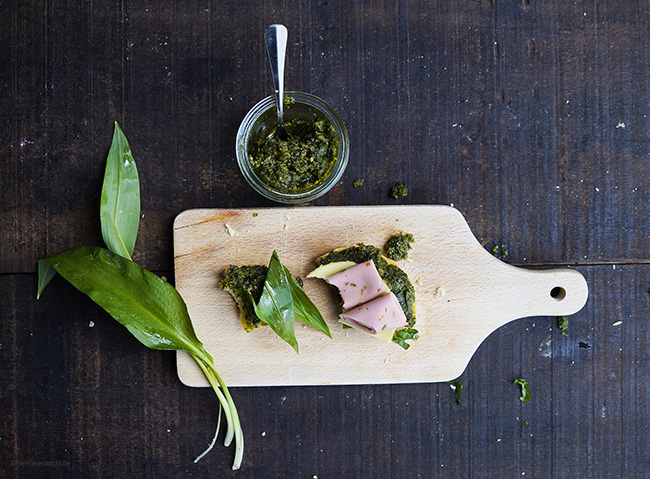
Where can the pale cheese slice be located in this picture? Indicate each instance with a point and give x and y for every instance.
(327, 270)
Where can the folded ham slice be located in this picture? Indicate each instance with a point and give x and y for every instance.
(358, 284)
(380, 314)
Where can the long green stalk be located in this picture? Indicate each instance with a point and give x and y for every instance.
(206, 363)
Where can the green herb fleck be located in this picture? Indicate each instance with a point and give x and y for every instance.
(500, 251)
(398, 245)
(401, 335)
(358, 183)
(255, 215)
(563, 324)
(458, 387)
(525, 389)
(398, 191)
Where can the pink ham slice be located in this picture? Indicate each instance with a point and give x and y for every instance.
(377, 315)
(358, 284)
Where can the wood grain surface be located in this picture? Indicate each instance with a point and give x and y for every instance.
(529, 116)
(463, 293)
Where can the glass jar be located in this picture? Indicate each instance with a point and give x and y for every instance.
(261, 121)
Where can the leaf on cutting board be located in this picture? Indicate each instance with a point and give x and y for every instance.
(120, 201)
(275, 306)
(147, 305)
(303, 307)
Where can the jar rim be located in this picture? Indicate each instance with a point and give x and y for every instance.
(246, 129)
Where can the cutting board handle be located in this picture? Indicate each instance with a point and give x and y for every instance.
(497, 292)
(553, 292)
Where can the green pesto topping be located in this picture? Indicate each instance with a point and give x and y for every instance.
(396, 279)
(238, 279)
(301, 161)
(357, 183)
(398, 246)
(398, 191)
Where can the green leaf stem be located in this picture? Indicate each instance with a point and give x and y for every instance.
(150, 308)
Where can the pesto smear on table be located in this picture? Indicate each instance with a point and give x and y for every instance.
(301, 161)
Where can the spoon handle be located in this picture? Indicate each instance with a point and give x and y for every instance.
(275, 38)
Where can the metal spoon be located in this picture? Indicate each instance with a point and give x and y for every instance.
(275, 38)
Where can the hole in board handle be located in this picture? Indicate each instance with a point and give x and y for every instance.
(558, 293)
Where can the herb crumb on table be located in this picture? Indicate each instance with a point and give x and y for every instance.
(398, 191)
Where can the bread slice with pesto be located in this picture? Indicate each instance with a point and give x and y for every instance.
(394, 277)
(240, 280)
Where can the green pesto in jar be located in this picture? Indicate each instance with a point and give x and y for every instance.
(300, 162)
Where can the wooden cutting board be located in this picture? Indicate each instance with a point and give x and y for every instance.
(463, 293)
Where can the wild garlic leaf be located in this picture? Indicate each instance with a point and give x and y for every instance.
(146, 304)
(120, 201)
(151, 309)
(45, 274)
(303, 307)
(525, 389)
(275, 306)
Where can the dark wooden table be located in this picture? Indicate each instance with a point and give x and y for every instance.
(530, 117)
